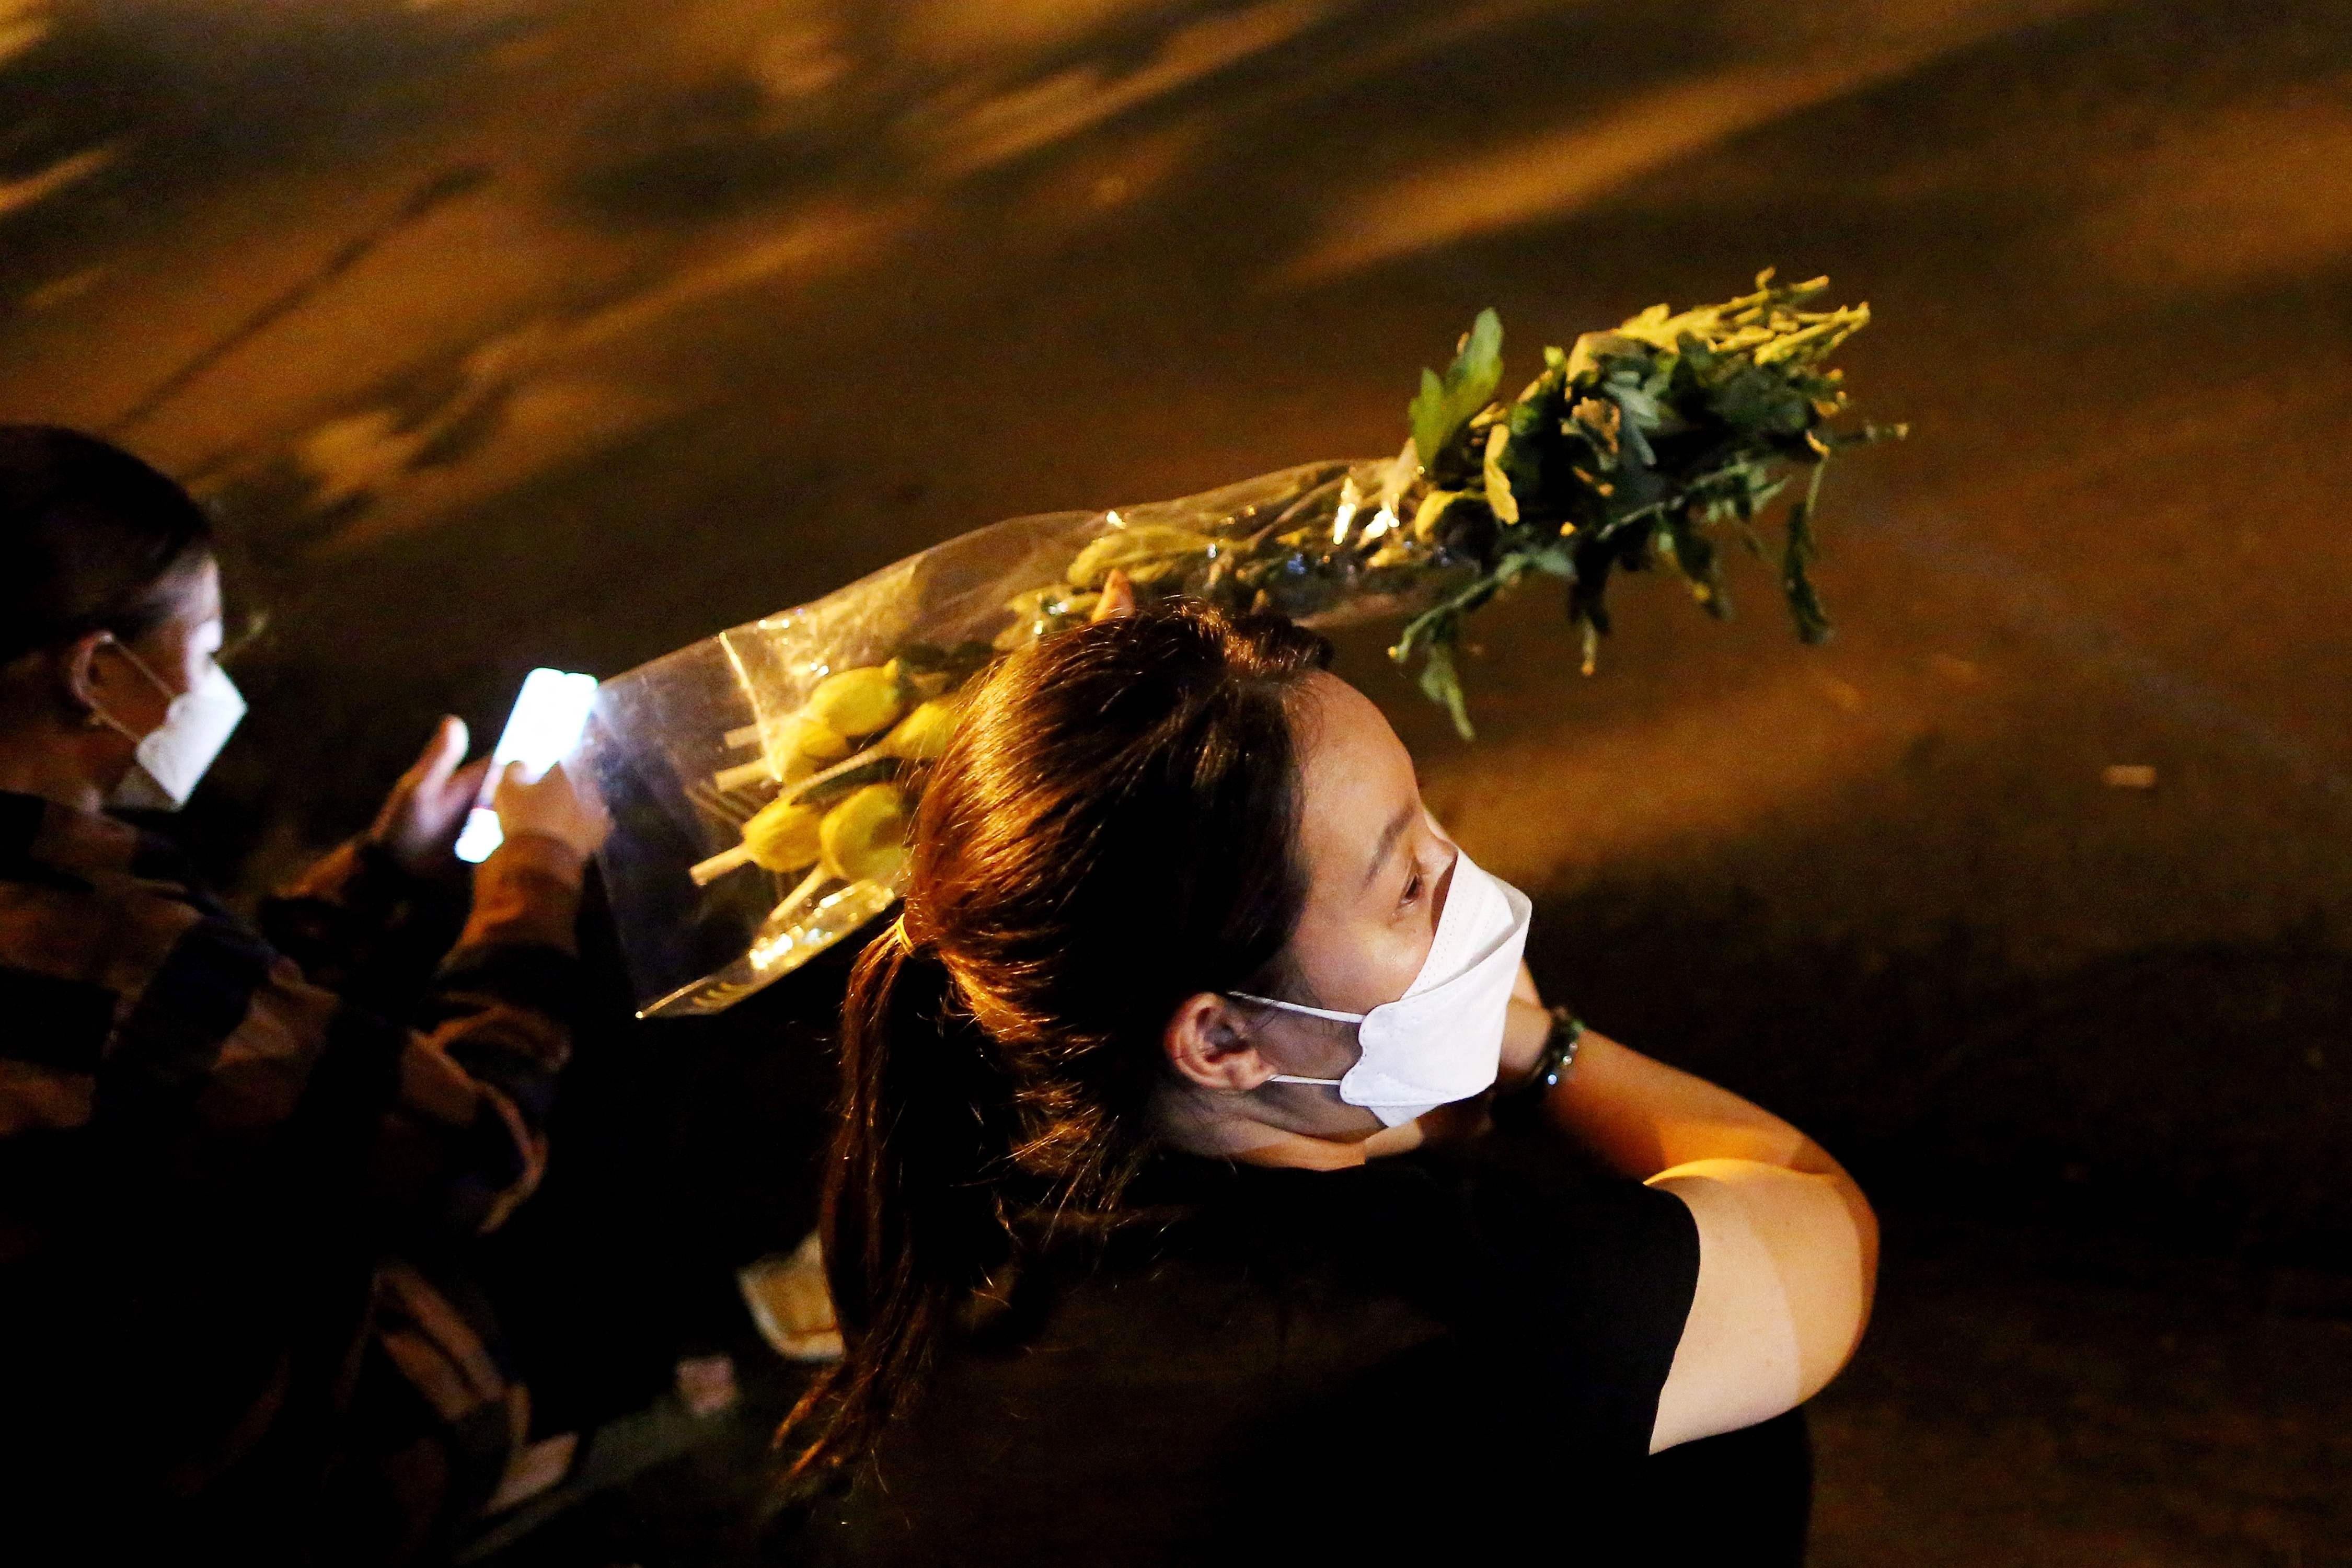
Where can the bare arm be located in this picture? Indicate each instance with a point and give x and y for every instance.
(1788, 1244)
(1642, 1117)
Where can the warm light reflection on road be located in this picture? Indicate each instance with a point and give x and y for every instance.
(714, 305)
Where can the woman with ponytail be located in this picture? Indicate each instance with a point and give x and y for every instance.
(1121, 1278)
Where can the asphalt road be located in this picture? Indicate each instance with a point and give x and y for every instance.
(515, 332)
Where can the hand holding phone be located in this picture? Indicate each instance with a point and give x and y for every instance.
(549, 714)
(553, 806)
(421, 815)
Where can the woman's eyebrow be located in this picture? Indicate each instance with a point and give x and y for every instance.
(1388, 835)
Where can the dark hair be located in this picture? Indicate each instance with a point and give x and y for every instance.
(87, 534)
(1112, 830)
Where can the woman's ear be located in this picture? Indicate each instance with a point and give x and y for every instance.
(1208, 1046)
(77, 673)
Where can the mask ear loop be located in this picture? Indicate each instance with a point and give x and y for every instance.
(1299, 1008)
(1310, 1012)
(153, 679)
(99, 718)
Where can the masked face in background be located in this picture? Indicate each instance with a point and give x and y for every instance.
(173, 702)
(173, 755)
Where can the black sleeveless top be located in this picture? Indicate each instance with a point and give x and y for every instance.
(1450, 1350)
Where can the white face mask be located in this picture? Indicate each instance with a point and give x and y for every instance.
(174, 754)
(1442, 1039)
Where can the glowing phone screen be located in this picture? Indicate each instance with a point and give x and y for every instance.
(549, 715)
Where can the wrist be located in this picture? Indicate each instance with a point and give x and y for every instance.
(528, 892)
(543, 852)
(1554, 1060)
(1526, 1026)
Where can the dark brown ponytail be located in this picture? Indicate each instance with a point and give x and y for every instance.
(1111, 831)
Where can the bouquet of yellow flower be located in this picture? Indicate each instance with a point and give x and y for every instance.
(762, 781)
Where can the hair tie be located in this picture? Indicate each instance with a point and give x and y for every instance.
(917, 941)
(915, 933)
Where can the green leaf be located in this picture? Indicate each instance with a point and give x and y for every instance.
(1440, 684)
(1696, 557)
(1501, 500)
(1752, 398)
(1796, 556)
(1446, 406)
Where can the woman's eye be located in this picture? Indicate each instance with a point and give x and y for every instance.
(1411, 887)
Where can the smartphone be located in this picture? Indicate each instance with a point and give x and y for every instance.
(549, 715)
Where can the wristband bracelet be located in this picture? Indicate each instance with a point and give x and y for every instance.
(1552, 1064)
(1559, 1049)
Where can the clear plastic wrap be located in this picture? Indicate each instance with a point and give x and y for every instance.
(761, 781)
(688, 750)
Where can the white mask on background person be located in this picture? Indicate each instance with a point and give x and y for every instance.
(174, 754)
(1442, 1039)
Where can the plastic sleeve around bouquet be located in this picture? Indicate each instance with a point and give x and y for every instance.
(760, 781)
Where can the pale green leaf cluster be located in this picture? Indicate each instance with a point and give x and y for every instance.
(1647, 445)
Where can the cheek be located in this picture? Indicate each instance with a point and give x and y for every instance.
(1404, 952)
(1357, 965)
(196, 656)
(1400, 964)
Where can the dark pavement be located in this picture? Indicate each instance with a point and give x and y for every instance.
(515, 332)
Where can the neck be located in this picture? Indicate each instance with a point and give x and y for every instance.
(54, 773)
(1183, 1121)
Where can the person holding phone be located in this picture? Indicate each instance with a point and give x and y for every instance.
(237, 1174)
